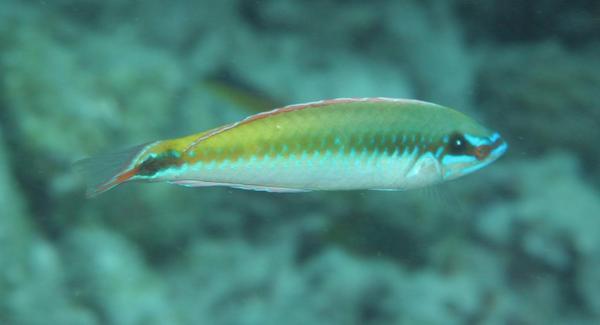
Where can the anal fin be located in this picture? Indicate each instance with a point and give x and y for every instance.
(194, 183)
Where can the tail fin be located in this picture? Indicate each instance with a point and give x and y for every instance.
(104, 172)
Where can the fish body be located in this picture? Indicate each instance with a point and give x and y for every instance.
(338, 144)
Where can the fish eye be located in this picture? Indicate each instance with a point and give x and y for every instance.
(457, 144)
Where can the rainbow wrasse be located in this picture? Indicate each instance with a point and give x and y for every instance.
(338, 144)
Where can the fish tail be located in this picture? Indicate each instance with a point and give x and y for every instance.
(106, 171)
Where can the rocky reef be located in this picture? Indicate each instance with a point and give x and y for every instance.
(515, 243)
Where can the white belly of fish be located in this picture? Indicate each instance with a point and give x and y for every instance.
(314, 172)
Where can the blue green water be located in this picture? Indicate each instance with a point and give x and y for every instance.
(515, 243)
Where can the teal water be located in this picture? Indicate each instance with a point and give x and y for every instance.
(515, 243)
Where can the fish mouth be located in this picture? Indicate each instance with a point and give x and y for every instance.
(492, 151)
(498, 146)
(495, 150)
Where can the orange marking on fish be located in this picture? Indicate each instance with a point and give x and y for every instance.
(116, 181)
(127, 175)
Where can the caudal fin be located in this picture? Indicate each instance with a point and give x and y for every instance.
(106, 171)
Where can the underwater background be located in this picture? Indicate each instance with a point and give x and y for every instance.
(515, 243)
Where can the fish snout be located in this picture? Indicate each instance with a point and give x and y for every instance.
(496, 148)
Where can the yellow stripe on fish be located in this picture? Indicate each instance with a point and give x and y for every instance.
(337, 144)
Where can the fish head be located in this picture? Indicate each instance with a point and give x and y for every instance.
(465, 152)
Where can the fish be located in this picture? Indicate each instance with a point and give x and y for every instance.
(232, 89)
(373, 143)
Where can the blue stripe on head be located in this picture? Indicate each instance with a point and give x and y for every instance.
(451, 163)
(439, 152)
(477, 141)
(481, 141)
(462, 159)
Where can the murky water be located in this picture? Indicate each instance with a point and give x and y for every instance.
(514, 243)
